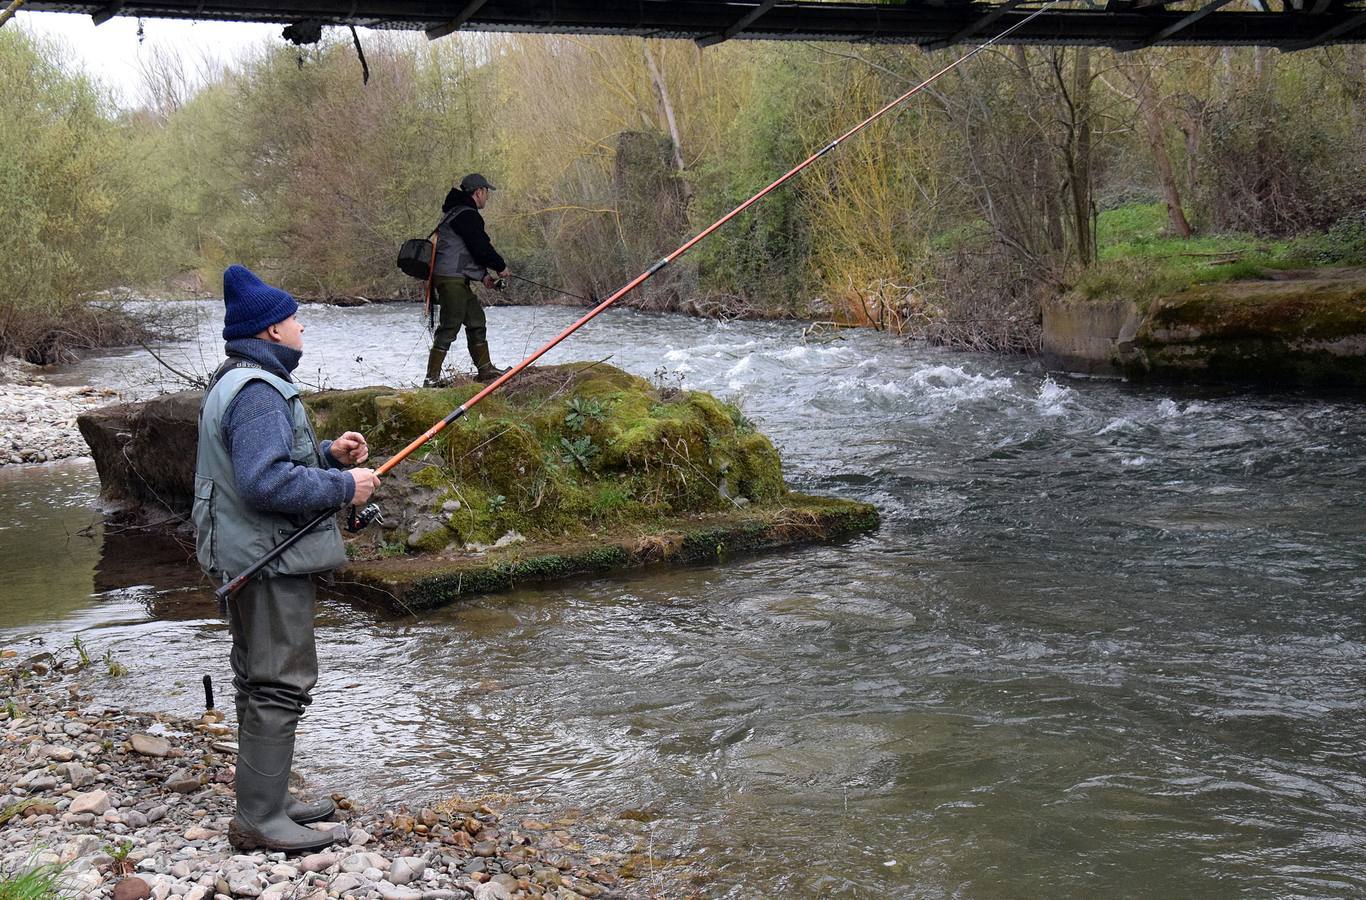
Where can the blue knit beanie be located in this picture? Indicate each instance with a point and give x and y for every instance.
(250, 305)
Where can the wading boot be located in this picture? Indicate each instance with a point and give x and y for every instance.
(487, 371)
(301, 811)
(435, 360)
(262, 779)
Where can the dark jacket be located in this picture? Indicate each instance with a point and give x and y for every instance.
(469, 226)
(258, 434)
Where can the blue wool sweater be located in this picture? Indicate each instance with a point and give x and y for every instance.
(258, 434)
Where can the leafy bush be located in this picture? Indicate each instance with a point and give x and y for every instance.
(1343, 245)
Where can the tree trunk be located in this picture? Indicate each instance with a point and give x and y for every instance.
(665, 104)
(1152, 120)
(1080, 174)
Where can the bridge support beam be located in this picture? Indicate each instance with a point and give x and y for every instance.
(740, 25)
(445, 28)
(109, 12)
(1336, 31)
(975, 27)
(1176, 26)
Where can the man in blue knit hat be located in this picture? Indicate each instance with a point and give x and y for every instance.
(260, 474)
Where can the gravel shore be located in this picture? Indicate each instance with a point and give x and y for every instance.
(38, 419)
(134, 805)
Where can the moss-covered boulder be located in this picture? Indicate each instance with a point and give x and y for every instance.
(1308, 331)
(567, 470)
(1289, 329)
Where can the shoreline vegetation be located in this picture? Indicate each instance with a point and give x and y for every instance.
(103, 802)
(1031, 174)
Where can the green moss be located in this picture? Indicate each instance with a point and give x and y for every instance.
(566, 456)
(1315, 309)
(1308, 331)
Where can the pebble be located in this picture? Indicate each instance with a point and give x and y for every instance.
(318, 862)
(359, 862)
(492, 890)
(345, 882)
(77, 775)
(132, 889)
(150, 745)
(406, 869)
(95, 803)
(182, 782)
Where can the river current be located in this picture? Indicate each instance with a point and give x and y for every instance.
(1108, 641)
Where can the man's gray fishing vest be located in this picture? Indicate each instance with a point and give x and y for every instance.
(452, 256)
(230, 535)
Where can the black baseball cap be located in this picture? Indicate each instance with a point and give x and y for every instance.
(473, 182)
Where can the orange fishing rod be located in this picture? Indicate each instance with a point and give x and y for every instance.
(360, 520)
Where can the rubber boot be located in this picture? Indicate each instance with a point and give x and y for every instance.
(487, 371)
(300, 811)
(435, 360)
(262, 780)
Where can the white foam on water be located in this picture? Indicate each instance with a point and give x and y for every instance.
(1133, 462)
(1053, 398)
(741, 367)
(954, 384)
(1120, 424)
(714, 350)
(1170, 409)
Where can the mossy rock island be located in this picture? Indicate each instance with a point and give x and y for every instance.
(1285, 329)
(568, 470)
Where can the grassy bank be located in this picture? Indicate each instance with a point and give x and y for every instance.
(1140, 261)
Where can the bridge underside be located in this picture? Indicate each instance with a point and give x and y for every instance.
(1121, 24)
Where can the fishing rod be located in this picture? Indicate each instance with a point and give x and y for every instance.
(591, 298)
(356, 520)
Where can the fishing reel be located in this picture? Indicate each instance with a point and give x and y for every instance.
(358, 520)
(500, 284)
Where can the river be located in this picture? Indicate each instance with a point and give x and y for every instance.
(1108, 641)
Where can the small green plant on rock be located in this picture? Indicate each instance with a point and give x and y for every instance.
(119, 854)
(581, 450)
(496, 503)
(82, 656)
(116, 668)
(582, 411)
(390, 549)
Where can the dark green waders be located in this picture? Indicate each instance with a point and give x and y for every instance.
(459, 307)
(275, 666)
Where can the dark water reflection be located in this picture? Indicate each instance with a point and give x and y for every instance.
(1108, 641)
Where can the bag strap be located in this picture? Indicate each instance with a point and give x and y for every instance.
(232, 362)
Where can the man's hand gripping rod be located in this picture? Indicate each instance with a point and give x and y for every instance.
(231, 587)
